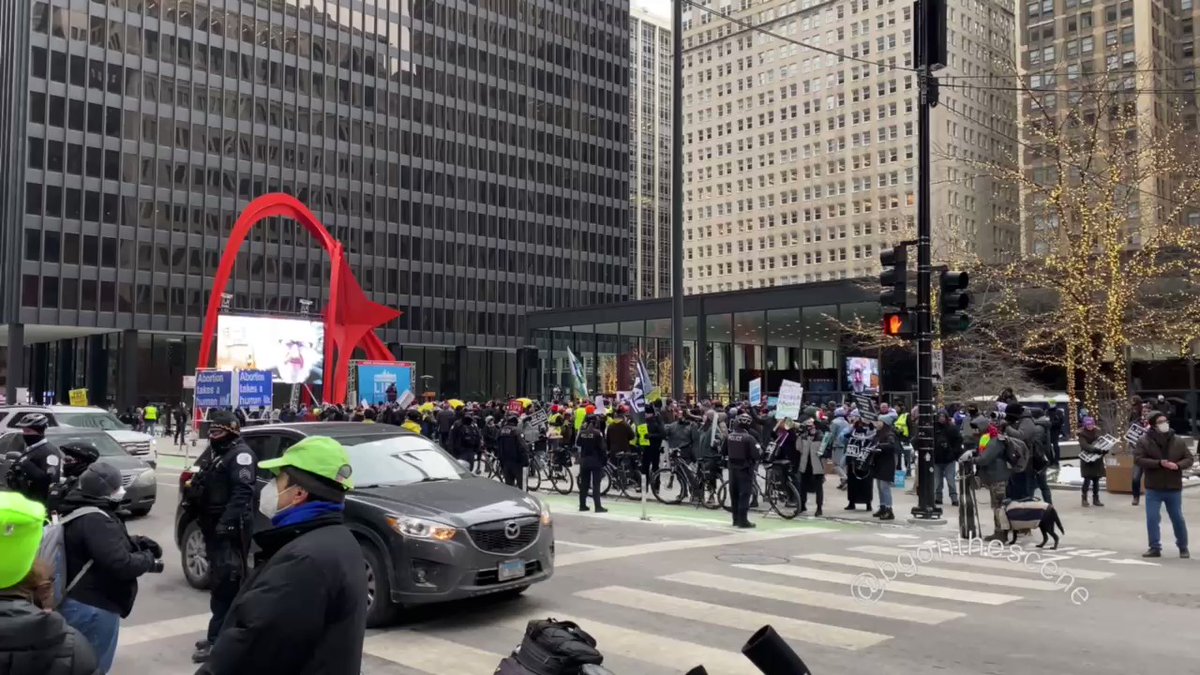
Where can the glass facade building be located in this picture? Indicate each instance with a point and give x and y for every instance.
(787, 332)
(472, 156)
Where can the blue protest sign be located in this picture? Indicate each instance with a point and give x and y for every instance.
(214, 389)
(254, 388)
(756, 391)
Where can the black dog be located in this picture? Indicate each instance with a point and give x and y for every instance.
(1047, 524)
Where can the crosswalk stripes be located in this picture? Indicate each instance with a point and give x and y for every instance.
(658, 650)
(743, 620)
(648, 623)
(983, 563)
(838, 601)
(922, 570)
(908, 588)
(429, 654)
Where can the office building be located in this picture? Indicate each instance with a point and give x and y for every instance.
(1142, 53)
(650, 45)
(472, 157)
(801, 165)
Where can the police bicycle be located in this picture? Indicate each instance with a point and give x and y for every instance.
(624, 472)
(778, 489)
(684, 480)
(552, 466)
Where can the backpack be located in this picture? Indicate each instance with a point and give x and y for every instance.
(53, 552)
(552, 647)
(1038, 459)
(1016, 453)
(470, 437)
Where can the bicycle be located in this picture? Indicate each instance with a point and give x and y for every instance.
(625, 474)
(557, 472)
(683, 480)
(780, 493)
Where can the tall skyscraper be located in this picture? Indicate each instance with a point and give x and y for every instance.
(1078, 55)
(800, 165)
(650, 153)
(472, 157)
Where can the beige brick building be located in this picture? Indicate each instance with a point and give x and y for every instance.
(799, 165)
(1142, 51)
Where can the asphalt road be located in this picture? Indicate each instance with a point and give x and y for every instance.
(684, 588)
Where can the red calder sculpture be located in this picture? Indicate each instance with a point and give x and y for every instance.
(350, 319)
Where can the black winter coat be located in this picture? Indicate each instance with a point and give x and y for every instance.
(304, 609)
(111, 582)
(35, 642)
(947, 443)
(884, 468)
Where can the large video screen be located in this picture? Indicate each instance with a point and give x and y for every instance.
(862, 374)
(291, 349)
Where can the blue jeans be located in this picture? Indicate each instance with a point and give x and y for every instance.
(1173, 499)
(99, 627)
(885, 493)
(945, 473)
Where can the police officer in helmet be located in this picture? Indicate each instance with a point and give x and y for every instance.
(593, 456)
(222, 494)
(743, 450)
(512, 452)
(37, 468)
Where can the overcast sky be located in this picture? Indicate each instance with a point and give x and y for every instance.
(659, 7)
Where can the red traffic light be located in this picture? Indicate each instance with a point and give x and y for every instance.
(898, 324)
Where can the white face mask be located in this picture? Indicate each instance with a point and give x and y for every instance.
(1163, 427)
(118, 495)
(268, 499)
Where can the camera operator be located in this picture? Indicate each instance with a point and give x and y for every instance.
(103, 560)
(38, 468)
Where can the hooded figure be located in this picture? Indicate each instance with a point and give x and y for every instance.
(103, 561)
(34, 640)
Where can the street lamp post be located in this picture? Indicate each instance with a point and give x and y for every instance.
(677, 204)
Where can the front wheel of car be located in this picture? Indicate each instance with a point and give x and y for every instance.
(380, 609)
(140, 512)
(194, 557)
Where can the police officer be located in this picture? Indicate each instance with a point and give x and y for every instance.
(743, 450)
(592, 459)
(223, 495)
(39, 467)
(512, 452)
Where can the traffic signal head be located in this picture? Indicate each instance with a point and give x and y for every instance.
(955, 300)
(894, 277)
(899, 325)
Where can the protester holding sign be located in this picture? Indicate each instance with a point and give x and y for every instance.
(1091, 460)
(860, 441)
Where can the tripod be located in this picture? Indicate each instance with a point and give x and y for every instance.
(969, 526)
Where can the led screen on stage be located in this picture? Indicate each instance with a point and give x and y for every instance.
(291, 349)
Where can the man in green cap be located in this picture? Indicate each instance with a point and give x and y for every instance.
(33, 640)
(304, 608)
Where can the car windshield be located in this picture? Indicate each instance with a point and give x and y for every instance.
(91, 420)
(401, 460)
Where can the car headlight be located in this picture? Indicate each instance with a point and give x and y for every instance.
(144, 478)
(419, 528)
(546, 519)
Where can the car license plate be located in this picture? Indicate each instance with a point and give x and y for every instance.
(511, 569)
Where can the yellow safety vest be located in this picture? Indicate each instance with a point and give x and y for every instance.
(580, 416)
(643, 432)
(151, 413)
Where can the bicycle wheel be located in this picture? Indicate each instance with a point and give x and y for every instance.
(707, 490)
(672, 486)
(631, 483)
(562, 480)
(534, 480)
(606, 481)
(784, 499)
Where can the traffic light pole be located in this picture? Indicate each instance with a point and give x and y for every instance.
(927, 91)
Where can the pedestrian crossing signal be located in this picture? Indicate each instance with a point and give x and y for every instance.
(898, 325)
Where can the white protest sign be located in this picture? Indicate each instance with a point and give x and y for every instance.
(790, 397)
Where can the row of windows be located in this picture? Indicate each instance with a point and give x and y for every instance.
(122, 296)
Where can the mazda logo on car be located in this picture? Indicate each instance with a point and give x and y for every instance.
(512, 529)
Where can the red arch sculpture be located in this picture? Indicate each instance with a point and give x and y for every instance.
(351, 317)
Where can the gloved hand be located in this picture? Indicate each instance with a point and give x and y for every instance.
(147, 544)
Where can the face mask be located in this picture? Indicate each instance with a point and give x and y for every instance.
(118, 495)
(1163, 427)
(268, 499)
